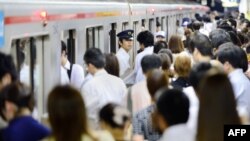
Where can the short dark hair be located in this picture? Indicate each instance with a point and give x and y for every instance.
(231, 53)
(7, 66)
(202, 43)
(95, 57)
(150, 62)
(168, 52)
(196, 25)
(173, 105)
(19, 94)
(234, 38)
(233, 22)
(146, 38)
(198, 71)
(160, 45)
(248, 48)
(219, 37)
(63, 47)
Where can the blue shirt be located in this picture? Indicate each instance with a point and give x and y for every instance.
(143, 125)
(25, 128)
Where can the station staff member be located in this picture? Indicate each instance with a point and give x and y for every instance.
(125, 44)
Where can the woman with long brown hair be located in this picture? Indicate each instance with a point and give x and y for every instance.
(175, 44)
(67, 116)
(217, 107)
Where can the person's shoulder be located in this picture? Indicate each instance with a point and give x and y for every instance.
(102, 135)
(145, 112)
(116, 79)
(77, 66)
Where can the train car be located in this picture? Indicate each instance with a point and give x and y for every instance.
(32, 30)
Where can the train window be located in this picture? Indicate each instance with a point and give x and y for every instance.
(151, 24)
(69, 37)
(143, 24)
(125, 25)
(90, 37)
(163, 23)
(94, 37)
(112, 35)
(28, 54)
(158, 24)
(167, 26)
(136, 44)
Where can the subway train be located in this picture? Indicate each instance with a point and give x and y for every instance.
(36, 28)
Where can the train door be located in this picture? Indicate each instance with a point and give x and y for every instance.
(125, 26)
(151, 25)
(170, 27)
(158, 25)
(143, 24)
(163, 24)
(95, 38)
(112, 35)
(69, 38)
(136, 46)
(29, 56)
(167, 28)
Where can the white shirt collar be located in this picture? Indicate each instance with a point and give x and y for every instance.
(173, 130)
(235, 72)
(124, 52)
(100, 72)
(67, 65)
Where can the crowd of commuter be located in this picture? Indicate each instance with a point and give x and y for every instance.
(186, 88)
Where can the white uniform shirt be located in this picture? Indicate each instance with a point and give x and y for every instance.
(179, 132)
(77, 75)
(123, 59)
(138, 70)
(241, 87)
(100, 90)
(25, 74)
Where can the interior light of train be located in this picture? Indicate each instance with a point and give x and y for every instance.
(180, 8)
(153, 10)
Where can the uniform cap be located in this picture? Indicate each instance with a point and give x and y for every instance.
(127, 34)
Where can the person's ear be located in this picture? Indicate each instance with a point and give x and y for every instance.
(10, 109)
(6, 80)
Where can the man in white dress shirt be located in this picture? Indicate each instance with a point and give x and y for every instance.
(102, 88)
(146, 41)
(125, 44)
(172, 112)
(70, 73)
(232, 58)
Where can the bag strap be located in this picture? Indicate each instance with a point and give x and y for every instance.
(69, 71)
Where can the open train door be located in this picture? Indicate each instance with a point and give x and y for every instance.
(29, 54)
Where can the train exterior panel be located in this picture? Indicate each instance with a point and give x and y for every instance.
(37, 27)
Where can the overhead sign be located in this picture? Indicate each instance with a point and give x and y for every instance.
(1, 29)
